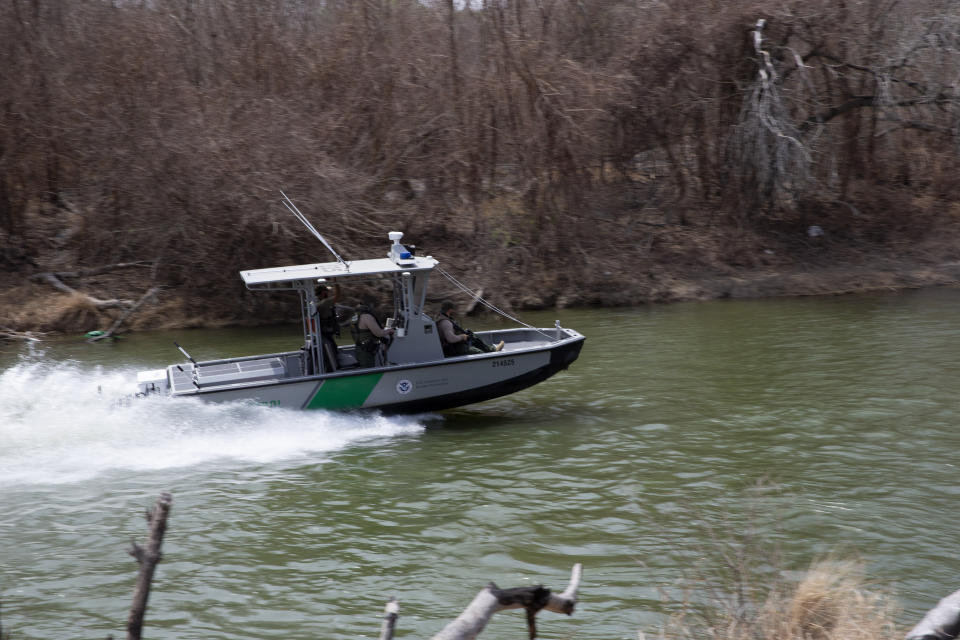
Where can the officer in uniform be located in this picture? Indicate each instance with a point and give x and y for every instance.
(367, 333)
(457, 341)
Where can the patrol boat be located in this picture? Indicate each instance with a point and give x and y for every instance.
(411, 374)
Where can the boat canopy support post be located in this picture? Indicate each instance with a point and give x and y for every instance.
(408, 298)
(313, 343)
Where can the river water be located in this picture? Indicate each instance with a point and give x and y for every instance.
(819, 425)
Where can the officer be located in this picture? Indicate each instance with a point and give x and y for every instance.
(368, 335)
(457, 341)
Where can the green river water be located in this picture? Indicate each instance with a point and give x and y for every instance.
(822, 425)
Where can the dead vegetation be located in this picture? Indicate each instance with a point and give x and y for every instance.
(553, 153)
(740, 586)
(830, 601)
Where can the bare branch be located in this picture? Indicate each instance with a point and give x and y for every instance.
(126, 314)
(390, 614)
(491, 599)
(93, 271)
(9, 335)
(941, 623)
(148, 559)
(57, 284)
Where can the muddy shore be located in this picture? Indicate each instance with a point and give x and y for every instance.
(30, 305)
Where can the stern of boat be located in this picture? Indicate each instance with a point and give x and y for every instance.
(151, 382)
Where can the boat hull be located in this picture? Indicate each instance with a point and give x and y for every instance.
(425, 387)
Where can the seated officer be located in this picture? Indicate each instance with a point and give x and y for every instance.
(457, 341)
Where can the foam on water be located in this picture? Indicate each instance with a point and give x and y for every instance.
(62, 423)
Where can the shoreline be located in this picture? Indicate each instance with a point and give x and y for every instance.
(824, 281)
(42, 310)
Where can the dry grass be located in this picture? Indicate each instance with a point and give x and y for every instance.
(36, 308)
(830, 601)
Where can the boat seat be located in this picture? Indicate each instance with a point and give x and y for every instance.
(330, 352)
(347, 359)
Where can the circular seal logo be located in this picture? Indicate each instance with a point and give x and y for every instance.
(404, 387)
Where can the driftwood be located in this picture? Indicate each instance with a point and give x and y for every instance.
(941, 623)
(492, 599)
(390, 614)
(126, 314)
(489, 601)
(148, 559)
(9, 335)
(58, 284)
(55, 279)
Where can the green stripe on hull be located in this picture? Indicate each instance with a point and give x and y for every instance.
(344, 393)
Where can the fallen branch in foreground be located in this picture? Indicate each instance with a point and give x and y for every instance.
(390, 614)
(492, 599)
(466, 626)
(148, 558)
(941, 623)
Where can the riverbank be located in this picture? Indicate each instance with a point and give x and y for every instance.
(839, 280)
(31, 304)
(48, 285)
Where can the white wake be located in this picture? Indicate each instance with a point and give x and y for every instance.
(62, 423)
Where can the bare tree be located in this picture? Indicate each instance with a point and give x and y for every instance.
(528, 132)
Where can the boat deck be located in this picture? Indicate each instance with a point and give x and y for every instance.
(223, 373)
(521, 339)
(186, 377)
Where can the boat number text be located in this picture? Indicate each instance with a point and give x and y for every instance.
(509, 362)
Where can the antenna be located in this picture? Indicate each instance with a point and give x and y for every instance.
(177, 345)
(288, 203)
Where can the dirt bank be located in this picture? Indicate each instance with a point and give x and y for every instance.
(824, 281)
(35, 306)
(659, 264)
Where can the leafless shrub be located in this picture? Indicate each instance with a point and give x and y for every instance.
(740, 587)
(830, 601)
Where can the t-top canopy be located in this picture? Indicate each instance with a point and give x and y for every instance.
(292, 277)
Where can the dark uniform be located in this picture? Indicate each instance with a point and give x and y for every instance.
(452, 336)
(367, 343)
(445, 326)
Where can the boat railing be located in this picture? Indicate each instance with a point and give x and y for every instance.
(263, 356)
